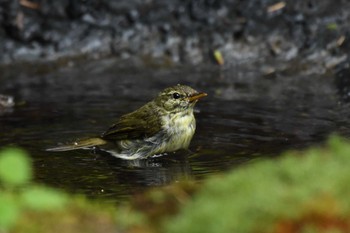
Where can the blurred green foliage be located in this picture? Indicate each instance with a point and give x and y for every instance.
(15, 167)
(18, 193)
(300, 192)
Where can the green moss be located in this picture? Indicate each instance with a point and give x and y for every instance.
(9, 211)
(43, 198)
(28, 207)
(79, 215)
(302, 190)
(15, 167)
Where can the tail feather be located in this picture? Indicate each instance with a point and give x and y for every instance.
(80, 144)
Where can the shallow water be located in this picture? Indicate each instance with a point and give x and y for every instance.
(246, 116)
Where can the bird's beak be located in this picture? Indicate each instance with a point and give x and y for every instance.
(196, 96)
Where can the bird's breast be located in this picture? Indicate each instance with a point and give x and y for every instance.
(179, 129)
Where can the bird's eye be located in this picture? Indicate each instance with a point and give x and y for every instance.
(176, 95)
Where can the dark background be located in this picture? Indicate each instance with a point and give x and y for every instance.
(176, 31)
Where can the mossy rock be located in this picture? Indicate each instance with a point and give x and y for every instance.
(29, 207)
(80, 215)
(300, 192)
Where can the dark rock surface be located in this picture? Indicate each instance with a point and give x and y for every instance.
(176, 31)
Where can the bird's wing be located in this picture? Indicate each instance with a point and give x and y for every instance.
(136, 125)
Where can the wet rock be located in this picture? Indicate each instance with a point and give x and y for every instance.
(184, 31)
(342, 81)
(6, 101)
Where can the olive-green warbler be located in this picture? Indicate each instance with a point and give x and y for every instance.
(165, 124)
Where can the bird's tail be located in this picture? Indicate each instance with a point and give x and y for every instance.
(80, 144)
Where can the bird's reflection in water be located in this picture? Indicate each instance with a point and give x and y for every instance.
(154, 171)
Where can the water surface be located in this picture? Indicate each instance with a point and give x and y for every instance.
(246, 116)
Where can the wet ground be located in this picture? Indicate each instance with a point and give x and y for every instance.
(179, 31)
(246, 116)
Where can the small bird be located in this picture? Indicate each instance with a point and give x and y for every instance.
(165, 124)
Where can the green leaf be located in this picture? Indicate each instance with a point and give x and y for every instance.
(41, 198)
(332, 26)
(15, 167)
(9, 212)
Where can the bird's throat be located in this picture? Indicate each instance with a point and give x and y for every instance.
(179, 129)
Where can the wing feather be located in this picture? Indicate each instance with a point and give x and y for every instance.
(139, 124)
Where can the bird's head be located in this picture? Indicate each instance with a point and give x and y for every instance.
(178, 98)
